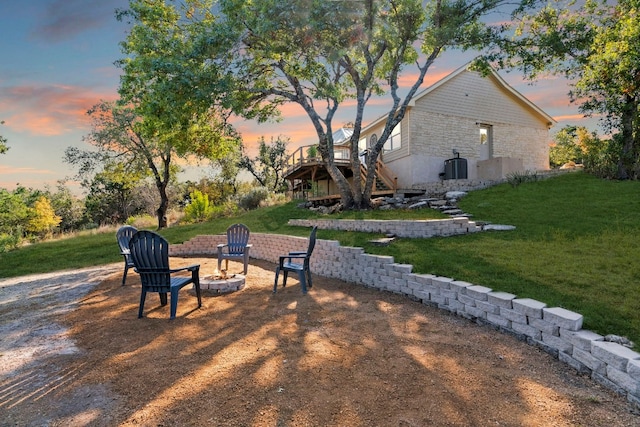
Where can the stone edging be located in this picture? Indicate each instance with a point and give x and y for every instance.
(556, 330)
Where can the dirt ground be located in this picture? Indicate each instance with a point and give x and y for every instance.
(343, 355)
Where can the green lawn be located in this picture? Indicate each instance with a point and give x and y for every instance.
(575, 246)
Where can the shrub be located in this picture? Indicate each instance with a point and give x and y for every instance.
(225, 210)
(43, 218)
(274, 199)
(253, 198)
(142, 221)
(199, 209)
(517, 178)
(10, 241)
(601, 157)
(567, 146)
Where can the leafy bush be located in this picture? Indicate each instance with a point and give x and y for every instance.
(142, 221)
(43, 218)
(274, 199)
(253, 198)
(10, 241)
(199, 208)
(567, 146)
(226, 210)
(602, 156)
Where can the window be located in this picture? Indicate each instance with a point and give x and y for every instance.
(484, 136)
(486, 142)
(395, 140)
(362, 145)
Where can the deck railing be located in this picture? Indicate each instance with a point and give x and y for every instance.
(309, 154)
(384, 176)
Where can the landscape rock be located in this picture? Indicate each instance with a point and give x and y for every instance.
(498, 227)
(419, 205)
(455, 194)
(446, 203)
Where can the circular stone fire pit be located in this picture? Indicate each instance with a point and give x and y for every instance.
(216, 284)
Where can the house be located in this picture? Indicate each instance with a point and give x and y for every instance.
(464, 127)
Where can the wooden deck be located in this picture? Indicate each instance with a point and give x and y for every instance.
(303, 169)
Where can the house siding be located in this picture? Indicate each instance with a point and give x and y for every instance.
(448, 118)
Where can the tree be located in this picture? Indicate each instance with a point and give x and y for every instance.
(567, 146)
(111, 198)
(68, 207)
(269, 165)
(320, 54)
(128, 151)
(250, 58)
(166, 123)
(225, 179)
(123, 154)
(43, 218)
(25, 212)
(14, 210)
(3, 142)
(597, 46)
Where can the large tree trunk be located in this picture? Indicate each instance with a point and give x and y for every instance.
(325, 147)
(162, 214)
(628, 159)
(162, 182)
(162, 209)
(361, 197)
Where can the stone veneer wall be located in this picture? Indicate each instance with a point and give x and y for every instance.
(556, 330)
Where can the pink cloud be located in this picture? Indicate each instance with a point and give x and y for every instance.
(48, 110)
(572, 117)
(407, 79)
(9, 170)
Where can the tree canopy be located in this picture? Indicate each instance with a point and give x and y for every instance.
(168, 113)
(3, 143)
(269, 165)
(251, 57)
(596, 44)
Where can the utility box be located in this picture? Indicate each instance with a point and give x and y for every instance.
(455, 168)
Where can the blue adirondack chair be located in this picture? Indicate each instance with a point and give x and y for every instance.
(297, 262)
(237, 246)
(124, 235)
(150, 254)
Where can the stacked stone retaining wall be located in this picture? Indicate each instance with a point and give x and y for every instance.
(399, 228)
(554, 329)
(443, 186)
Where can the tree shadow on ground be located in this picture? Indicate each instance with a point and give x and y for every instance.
(342, 355)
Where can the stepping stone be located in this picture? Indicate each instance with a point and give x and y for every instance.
(385, 241)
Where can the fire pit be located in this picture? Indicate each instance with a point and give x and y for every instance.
(221, 282)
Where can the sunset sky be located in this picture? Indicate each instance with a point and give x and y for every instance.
(58, 61)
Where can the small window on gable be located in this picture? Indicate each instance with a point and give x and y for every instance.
(395, 140)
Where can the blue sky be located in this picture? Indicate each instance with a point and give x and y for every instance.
(58, 61)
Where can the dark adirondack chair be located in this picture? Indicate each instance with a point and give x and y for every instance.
(297, 262)
(123, 235)
(150, 254)
(237, 246)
